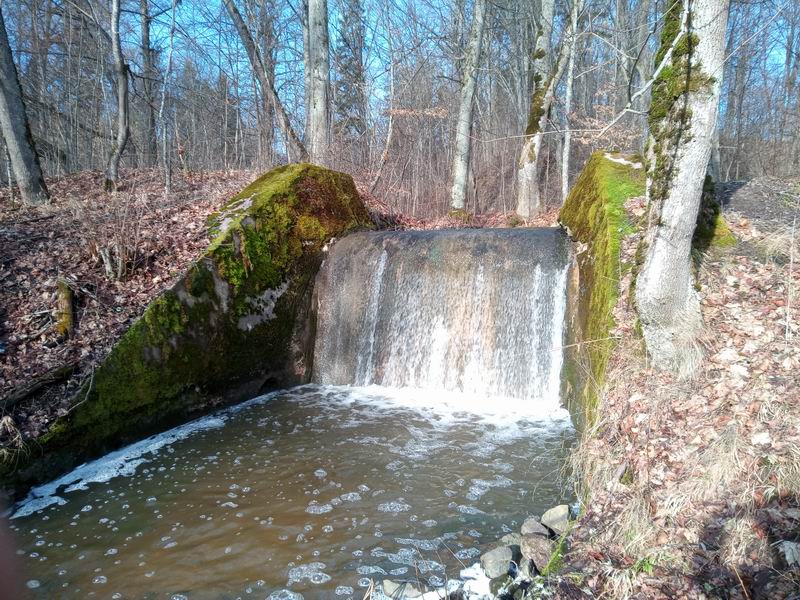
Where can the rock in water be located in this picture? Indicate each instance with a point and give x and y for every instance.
(537, 549)
(532, 526)
(556, 519)
(511, 539)
(402, 589)
(496, 562)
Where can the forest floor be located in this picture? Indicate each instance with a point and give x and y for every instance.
(693, 487)
(77, 239)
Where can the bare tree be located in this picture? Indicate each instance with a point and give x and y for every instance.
(296, 151)
(461, 158)
(683, 115)
(149, 139)
(319, 67)
(16, 130)
(123, 101)
(577, 6)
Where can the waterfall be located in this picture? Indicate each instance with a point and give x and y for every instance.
(477, 311)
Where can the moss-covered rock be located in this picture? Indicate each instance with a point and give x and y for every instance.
(594, 215)
(233, 325)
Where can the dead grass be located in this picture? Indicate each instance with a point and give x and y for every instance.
(691, 487)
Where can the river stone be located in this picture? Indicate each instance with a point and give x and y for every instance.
(532, 526)
(537, 549)
(511, 539)
(496, 562)
(527, 570)
(499, 584)
(402, 589)
(556, 519)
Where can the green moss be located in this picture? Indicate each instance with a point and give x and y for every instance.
(536, 111)
(712, 230)
(459, 214)
(595, 215)
(190, 350)
(669, 116)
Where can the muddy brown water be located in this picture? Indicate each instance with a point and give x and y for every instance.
(311, 492)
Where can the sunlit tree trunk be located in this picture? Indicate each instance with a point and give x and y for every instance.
(318, 69)
(461, 158)
(16, 130)
(123, 129)
(682, 128)
(577, 6)
(528, 198)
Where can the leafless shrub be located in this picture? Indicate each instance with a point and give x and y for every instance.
(112, 232)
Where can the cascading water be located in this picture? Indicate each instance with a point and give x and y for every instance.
(329, 490)
(477, 311)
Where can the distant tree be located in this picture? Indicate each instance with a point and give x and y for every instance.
(318, 66)
(121, 72)
(148, 142)
(295, 149)
(16, 130)
(463, 144)
(350, 100)
(682, 118)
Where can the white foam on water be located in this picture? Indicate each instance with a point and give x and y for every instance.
(449, 407)
(120, 463)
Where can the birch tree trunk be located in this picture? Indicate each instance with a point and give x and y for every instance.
(295, 150)
(528, 199)
(577, 6)
(16, 129)
(461, 157)
(123, 117)
(318, 69)
(682, 127)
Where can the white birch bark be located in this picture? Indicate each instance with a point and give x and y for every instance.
(666, 300)
(577, 6)
(16, 130)
(461, 157)
(528, 201)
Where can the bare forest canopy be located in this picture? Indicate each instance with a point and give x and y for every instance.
(396, 72)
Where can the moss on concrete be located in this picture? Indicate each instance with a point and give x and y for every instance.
(594, 215)
(221, 333)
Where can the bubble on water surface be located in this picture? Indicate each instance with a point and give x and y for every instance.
(321, 473)
(33, 584)
(311, 571)
(344, 590)
(370, 570)
(100, 579)
(284, 595)
(318, 509)
(394, 507)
